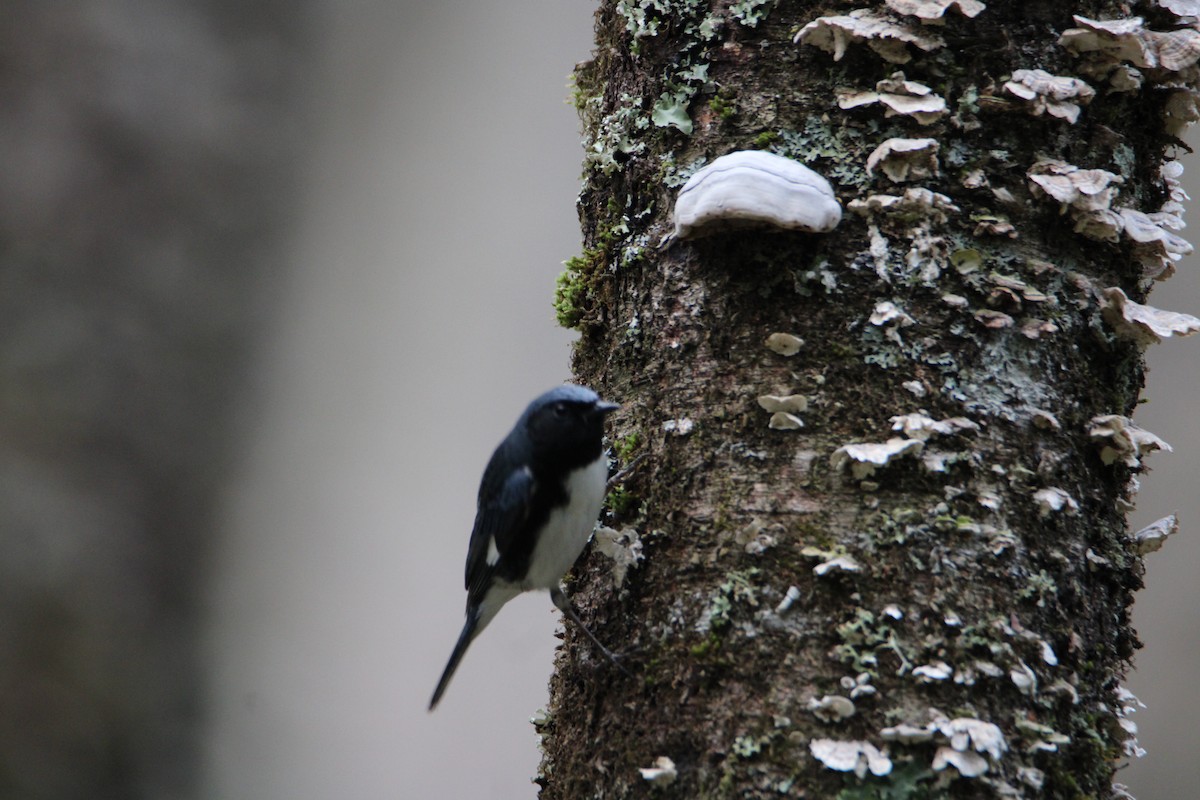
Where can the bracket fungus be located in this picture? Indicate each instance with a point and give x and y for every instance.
(1153, 536)
(785, 344)
(883, 33)
(753, 188)
(1144, 324)
(663, 773)
(1058, 96)
(905, 159)
(933, 10)
(864, 459)
(856, 757)
(1119, 438)
(900, 97)
(831, 708)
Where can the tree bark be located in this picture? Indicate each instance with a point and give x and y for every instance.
(800, 621)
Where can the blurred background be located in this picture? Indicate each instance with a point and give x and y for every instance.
(274, 280)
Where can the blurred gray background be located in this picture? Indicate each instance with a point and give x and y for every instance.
(403, 327)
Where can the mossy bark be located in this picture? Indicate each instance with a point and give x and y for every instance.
(964, 595)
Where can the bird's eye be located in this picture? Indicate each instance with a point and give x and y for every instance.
(560, 409)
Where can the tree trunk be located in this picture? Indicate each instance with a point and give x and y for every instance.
(942, 610)
(148, 158)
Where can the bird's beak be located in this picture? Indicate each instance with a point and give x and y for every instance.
(602, 408)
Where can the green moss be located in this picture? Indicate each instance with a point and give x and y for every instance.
(766, 139)
(626, 446)
(621, 502)
(722, 104)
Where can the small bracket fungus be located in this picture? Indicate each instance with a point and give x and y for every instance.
(783, 421)
(1058, 96)
(1152, 537)
(899, 97)
(791, 404)
(932, 673)
(785, 344)
(624, 547)
(966, 732)
(831, 708)
(663, 772)
(1129, 40)
(1144, 324)
(837, 564)
(1120, 439)
(785, 410)
(934, 10)
(864, 459)
(905, 159)
(1051, 500)
(968, 764)
(883, 33)
(1074, 188)
(919, 426)
(753, 188)
(856, 757)
(789, 599)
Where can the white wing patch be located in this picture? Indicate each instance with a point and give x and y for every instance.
(493, 554)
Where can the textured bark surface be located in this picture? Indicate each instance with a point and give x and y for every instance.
(981, 579)
(147, 156)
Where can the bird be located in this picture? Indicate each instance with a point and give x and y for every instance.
(538, 502)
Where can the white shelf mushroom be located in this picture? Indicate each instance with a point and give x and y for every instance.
(753, 188)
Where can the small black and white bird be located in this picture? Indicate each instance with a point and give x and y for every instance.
(538, 502)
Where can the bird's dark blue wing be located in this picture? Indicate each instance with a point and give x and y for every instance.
(503, 509)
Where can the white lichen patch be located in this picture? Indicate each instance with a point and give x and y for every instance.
(1144, 324)
(899, 97)
(785, 344)
(915, 202)
(831, 708)
(1052, 500)
(663, 773)
(888, 313)
(919, 426)
(934, 10)
(1056, 95)
(754, 188)
(905, 160)
(883, 33)
(1154, 536)
(790, 403)
(1120, 439)
(624, 547)
(680, 427)
(912, 216)
(863, 459)
(857, 757)
(837, 564)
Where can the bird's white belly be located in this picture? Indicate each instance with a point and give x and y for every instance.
(569, 527)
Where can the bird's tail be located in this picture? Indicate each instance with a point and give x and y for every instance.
(469, 631)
